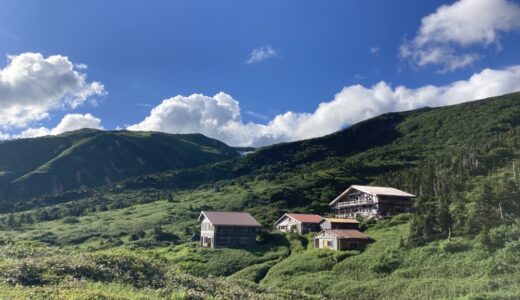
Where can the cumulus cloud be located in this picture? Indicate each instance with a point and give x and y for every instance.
(32, 85)
(261, 54)
(220, 117)
(445, 36)
(69, 122)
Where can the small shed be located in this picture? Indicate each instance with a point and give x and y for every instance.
(301, 223)
(341, 239)
(339, 223)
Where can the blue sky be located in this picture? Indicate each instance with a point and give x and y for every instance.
(308, 53)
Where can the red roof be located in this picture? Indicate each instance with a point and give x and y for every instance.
(306, 218)
(229, 218)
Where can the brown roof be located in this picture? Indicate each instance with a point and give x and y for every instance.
(341, 220)
(347, 233)
(306, 218)
(229, 218)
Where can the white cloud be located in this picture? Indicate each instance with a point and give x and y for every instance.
(261, 54)
(219, 116)
(374, 50)
(69, 122)
(446, 35)
(32, 85)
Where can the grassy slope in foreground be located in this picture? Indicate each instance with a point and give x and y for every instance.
(461, 268)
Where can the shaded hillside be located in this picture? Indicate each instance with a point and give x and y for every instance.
(90, 158)
(389, 142)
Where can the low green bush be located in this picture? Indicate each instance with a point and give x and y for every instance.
(455, 245)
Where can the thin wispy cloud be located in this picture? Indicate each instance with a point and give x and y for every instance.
(374, 50)
(261, 54)
(359, 77)
(257, 115)
(144, 104)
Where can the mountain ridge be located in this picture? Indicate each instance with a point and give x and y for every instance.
(89, 158)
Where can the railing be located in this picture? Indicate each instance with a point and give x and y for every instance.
(354, 203)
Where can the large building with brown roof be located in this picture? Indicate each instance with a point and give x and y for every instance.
(301, 223)
(227, 229)
(371, 202)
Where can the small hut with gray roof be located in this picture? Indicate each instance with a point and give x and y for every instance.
(220, 229)
(371, 202)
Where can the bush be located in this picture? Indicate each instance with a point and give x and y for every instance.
(70, 220)
(454, 246)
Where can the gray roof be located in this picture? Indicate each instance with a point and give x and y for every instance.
(229, 218)
(374, 190)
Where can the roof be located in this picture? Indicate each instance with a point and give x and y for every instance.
(302, 218)
(374, 190)
(341, 220)
(229, 218)
(347, 233)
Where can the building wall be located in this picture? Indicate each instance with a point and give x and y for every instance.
(286, 225)
(234, 236)
(379, 206)
(328, 225)
(207, 233)
(325, 240)
(309, 227)
(351, 244)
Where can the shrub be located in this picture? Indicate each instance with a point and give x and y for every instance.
(454, 246)
(70, 220)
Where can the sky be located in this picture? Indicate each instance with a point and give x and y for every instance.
(249, 73)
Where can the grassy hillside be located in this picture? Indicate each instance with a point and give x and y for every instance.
(90, 158)
(461, 241)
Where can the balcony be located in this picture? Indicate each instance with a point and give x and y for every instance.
(354, 203)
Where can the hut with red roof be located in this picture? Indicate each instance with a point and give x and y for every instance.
(301, 223)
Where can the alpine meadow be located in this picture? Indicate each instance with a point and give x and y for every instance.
(133, 239)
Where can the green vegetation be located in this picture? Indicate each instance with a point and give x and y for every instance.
(89, 158)
(461, 241)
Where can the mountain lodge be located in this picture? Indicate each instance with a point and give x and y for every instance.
(371, 202)
(227, 229)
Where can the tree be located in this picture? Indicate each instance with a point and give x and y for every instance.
(483, 214)
(444, 217)
(424, 223)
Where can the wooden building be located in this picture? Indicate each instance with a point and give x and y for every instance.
(227, 229)
(339, 223)
(341, 239)
(371, 202)
(301, 223)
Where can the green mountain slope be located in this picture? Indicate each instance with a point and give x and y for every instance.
(90, 158)
(463, 161)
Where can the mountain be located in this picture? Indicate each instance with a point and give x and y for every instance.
(367, 150)
(461, 242)
(89, 158)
